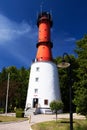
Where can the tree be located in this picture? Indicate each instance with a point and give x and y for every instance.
(64, 80)
(3, 87)
(24, 78)
(80, 86)
(81, 101)
(18, 84)
(56, 105)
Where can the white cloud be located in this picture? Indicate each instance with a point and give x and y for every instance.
(70, 39)
(17, 38)
(10, 30)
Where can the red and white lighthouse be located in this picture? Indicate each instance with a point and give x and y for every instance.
(43, 82)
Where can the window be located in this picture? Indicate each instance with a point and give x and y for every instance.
(37, 68)
(35, 91)
(45, 102)
(36, 79)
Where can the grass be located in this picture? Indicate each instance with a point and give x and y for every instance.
(10, 119)
(61, 125)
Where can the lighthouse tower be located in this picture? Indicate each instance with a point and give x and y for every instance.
(44, 82)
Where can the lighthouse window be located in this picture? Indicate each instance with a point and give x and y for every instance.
(37, 68)
(36, 90)
(36, 79)
(45, 102)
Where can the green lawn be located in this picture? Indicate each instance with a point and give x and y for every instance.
(10, 118)
(61, 125)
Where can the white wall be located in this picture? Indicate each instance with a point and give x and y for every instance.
(47, 84)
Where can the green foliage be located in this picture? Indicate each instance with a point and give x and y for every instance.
(78, 76)
(80, 86)
(81, 101)
(19, 113)
(18, 85)
(81, 48)
(56, 105)
(64, 80)
(2, 110)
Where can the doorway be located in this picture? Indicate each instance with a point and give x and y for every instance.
(35, 102)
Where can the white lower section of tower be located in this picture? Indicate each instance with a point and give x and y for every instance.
(43, 86)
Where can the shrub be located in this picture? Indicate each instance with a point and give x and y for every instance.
(2, 110)
(19, 113)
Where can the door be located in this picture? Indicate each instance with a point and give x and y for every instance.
(35, 102)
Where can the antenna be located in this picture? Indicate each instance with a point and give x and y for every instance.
(36, 14)
(41, 7)
(51, 13)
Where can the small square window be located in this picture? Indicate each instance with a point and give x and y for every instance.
(37, 68)
(35, 91)
(36, 79)
(45, 102)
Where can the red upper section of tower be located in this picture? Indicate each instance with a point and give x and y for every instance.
(44, 44)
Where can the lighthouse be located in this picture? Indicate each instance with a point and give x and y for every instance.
(44, 81)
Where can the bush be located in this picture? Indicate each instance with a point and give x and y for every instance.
(19, 113)
(2, 110)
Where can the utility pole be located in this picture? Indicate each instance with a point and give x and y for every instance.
(6, 107)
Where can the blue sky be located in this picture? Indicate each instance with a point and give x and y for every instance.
(19, 33)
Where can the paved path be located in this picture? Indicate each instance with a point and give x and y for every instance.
(15, 126)
(25, 125)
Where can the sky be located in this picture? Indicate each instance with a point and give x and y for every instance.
(19, 32)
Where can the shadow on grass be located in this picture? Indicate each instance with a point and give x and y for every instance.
(66, 122)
